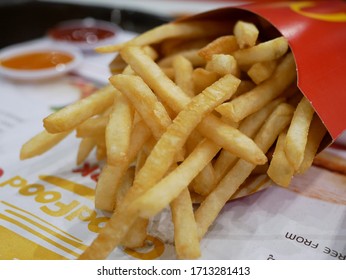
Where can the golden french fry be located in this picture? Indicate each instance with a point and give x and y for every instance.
(252, 184)
(203, 79)
(250, 102)
(204, 182)
(297, 134)
(189, 30)
(183, 69)
(246, 34)
(261, 71)
(101, 153)
(223, 64)
(222, 45)
(245, 86)
(72, 115)
(212, 205)
(41, 143)
(119, 129)
(85, 147)
(92, 127)
(316, 133)
(185, 229)
(117, 65)
(269, 50)
(190, 55)
(280, 170)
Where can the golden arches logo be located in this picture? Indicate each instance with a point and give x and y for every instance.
(333, 17)
(154, 249)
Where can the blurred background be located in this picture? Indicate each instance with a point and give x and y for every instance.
(22, 20)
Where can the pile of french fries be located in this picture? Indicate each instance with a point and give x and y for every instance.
(192, 110)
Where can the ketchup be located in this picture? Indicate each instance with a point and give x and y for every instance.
(37, 60)
(89, 35)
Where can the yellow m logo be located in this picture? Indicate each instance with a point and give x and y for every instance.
(334, 17)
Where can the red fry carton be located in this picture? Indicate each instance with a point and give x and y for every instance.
(316, 32)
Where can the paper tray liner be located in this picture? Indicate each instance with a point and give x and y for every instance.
(317, 40)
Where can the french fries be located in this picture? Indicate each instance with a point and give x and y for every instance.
(119, 123)
(71, 116)
(297, 134)
(191, 114)
(41, 143)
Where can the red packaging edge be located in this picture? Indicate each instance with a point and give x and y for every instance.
(316, 32)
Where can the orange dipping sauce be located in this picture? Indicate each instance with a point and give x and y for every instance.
(37, 60)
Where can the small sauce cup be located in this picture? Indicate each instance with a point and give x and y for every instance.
(31, 62)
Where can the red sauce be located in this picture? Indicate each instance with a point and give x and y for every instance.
(89, 35)
(37, 60)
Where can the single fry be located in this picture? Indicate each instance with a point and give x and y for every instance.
(202, 79)
(119, 129)
(41, 143)
(117, 65)
(280, 170)
(297, 134)
(189, 30)
(183, 69)
(222, 45)
(85, 147)
(232, 140)
(316, 133)
(266, 51)
(223, 64)
(92, 127)
(72, 115)
(246, 34)
(261, 71)
(204, 182)
(185, 229)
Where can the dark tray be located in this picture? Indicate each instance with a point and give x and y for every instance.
(25, 20)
